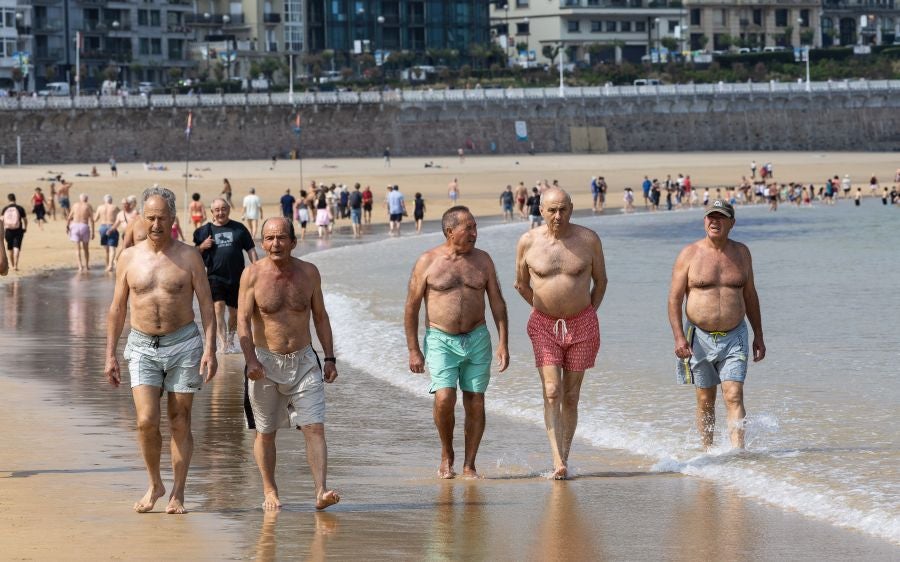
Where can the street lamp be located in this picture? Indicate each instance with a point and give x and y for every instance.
(380, 20)
(526, 21)
(658, 53)
(226, 19)
(506, 25)
(206, 18)
(804, 52)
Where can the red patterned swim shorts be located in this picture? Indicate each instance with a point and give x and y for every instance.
(570, 343)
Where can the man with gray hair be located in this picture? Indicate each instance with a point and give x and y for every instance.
(160, 276)
(109, 237)
(80, 228)
(453, 279)
(222, 242)
(253, 212)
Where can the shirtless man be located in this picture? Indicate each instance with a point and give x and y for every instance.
(80, 228)
(521, 197)
(63, 193)
(109, 237)
(561, 273)
(278, 295)
(716, 276)
(165, 349)
(453, 279)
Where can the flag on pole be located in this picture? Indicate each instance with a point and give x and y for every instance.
(79, 41)
(190, 125)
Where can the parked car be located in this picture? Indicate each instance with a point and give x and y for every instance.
(145, 88)
(55, 89)
(647, 82)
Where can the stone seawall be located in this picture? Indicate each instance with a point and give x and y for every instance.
(858, 121)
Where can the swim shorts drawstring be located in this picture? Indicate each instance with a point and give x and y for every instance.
(717, 335)
(564, 331)
(154, 342)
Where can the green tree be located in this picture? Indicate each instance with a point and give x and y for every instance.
(550, 52)
(175, 75)
(670, 43)
(111, 73)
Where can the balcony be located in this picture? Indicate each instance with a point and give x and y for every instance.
(45, 54)
(234, 20)
(200, 20)
(23, 30)
(860, 5)
(271, 19)
(42, 25)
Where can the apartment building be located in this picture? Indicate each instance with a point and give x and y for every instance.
(868, 22)
(592, 30)
(417, 26)
(718, 25)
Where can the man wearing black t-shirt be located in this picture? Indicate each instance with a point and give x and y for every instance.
(222, 243)
(15, 223)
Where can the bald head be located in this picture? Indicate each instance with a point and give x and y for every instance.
(557, 195)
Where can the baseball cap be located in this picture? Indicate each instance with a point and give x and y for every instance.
(722, 207)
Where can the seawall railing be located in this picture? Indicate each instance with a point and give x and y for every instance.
(444, 96)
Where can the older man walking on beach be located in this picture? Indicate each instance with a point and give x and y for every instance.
(222, 243)
(561, 273)
(715, 274)
(453, 279)
(279, 294)
(80, 228)
(109, 237)
(165, 350)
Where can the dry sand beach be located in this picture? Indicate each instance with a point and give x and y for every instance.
(70, 468)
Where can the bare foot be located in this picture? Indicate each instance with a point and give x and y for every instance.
(327, 499)
(146, 503)
(271, 502)
(561, 473)
(470, 473)
(176, 507)
(446, 471)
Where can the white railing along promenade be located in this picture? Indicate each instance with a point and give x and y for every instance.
(444, 96)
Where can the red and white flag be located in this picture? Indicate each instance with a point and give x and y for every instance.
(190, 125)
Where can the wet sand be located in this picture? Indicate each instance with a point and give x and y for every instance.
(70, 472)
(481, 179)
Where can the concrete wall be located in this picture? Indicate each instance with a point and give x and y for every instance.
(809, 121)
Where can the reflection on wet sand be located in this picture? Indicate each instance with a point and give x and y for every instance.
(460, 529)
(564, 532)
(322, 526)
(710, 524)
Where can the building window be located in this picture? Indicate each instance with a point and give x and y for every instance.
(610, 26)
(804, 18)
(625, 26)
(722, 17)
(757, 17)
(593, 2)
(640, 26)
(673, 26)
(596, 26)
(144, 46)
(522, 28)
(695, 16)
(781, 18)
(155, 46)
(574, 26)
(154, 18)
(142, 17)
(521, 3)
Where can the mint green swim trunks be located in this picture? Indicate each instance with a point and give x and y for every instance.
(463, 358)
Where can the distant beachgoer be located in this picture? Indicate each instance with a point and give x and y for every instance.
(561, 274)
(629, 200)
(51, 201)
(274, 161)
(39, 208)
(63, 193)
(646, 185)
(387, 157)
(521, 198)
(279, 296)
(753, 169)
(715, 275)
(226, 191)
(600, 199)
(94, 172)
(453, 279)
(222, 243)
(419, 211)
(15, 224)
(846, 185)
(506, 203)
(367, 199)
(857, 196)
(462, 155)
(287, 204)
(534, 208)
(453, 191)
(109, 237)
(177, 233)
(197, 211)
(301, 212)
(252, 211)
(884, 196)
(159, 279)
(655, 194)
(873, 186)
(355, 202)
(113, 168)
(396, 209)
(324, 219)
(80, 229)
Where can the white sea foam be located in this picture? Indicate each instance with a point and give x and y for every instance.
(374, 345)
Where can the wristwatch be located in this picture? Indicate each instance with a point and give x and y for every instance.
(332, 359)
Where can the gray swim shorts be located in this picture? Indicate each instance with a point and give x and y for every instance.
(171, 361)
(293, 380)
(717, 357)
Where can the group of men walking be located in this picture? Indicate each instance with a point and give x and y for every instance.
(560, 273)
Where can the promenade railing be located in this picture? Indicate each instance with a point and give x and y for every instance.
(794, 89)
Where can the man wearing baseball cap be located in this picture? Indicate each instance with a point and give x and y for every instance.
(714, 275)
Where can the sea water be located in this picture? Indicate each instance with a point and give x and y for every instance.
(822, 428)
